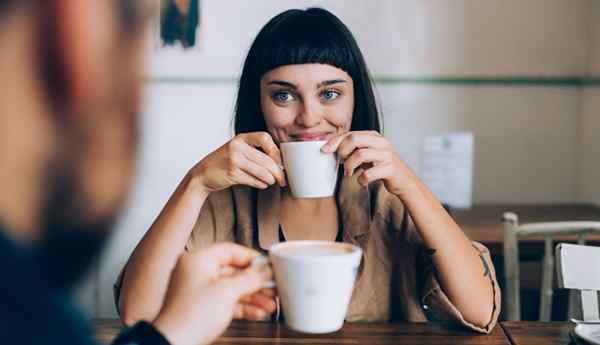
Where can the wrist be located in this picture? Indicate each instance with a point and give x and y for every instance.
(194, 185)
(166, 328)
(142, 333)
(411, 185)
(410, 189)
(173, 329)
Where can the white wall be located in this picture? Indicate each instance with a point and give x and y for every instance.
(412, 37)
(526, 137)
(590, 120)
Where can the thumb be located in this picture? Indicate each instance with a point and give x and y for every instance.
(249, 281)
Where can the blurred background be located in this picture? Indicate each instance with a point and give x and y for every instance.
(518, 74)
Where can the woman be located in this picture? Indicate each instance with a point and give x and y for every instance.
(305, 79)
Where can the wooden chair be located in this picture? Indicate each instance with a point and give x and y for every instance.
(512, 232)
(578, 268)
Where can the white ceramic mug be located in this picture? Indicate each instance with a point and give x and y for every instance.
(314, 281)
(310, 172)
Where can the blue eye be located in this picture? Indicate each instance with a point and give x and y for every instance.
(283, 96)
(330, 95)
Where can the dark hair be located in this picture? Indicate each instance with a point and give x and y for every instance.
(294, 37)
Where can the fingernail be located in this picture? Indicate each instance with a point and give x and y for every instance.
(326, 148)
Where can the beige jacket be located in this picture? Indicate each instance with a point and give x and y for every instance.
(396, 280)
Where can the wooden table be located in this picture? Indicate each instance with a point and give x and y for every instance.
(538, 333)
(248, 333)
(483, 223)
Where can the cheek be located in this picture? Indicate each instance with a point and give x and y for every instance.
(277, 117)
(341, 117)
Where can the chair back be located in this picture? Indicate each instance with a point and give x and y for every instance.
(578, 268)
(513, 232)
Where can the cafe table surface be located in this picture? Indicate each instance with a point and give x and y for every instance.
(538, 333)
(248, 333)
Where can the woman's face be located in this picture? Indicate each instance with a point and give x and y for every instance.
(306, 102)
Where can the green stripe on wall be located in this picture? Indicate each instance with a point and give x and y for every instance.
(460, 81)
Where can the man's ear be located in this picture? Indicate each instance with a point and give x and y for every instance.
(78, 41)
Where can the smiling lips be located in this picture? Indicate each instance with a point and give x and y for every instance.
(311, 136)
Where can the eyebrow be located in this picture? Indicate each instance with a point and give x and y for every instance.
(292, 86)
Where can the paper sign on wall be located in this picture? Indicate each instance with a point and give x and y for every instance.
(448, 168)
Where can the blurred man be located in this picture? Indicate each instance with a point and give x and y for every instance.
(70, 90)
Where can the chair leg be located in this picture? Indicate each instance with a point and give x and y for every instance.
(589, 304)
(547, 277)
(574, 308)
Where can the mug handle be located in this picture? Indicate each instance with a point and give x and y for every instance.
(264, 260)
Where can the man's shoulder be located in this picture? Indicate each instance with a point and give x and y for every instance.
(30, 312)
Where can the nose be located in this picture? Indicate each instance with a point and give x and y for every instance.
(310, 114)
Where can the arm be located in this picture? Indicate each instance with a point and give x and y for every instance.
(462, 273)
(148, 271)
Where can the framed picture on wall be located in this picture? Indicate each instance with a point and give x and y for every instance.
(179, 23)
(175, 39)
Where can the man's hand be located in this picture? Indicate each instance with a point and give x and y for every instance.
(205, 290)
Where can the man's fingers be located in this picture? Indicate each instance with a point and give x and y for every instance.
(227, 254)
(248, 281)
(268, 292)
(266, 303)
(246, 311)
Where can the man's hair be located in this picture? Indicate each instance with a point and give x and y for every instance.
(131, 13)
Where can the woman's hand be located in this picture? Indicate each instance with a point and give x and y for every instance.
(240, 161)
(373, 152)
(204, 291)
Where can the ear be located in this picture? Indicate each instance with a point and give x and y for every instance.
(81, 38)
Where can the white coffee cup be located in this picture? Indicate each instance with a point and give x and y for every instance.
(310, 172)
(314, 281)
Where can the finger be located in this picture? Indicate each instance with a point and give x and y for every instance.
(357, 140)
(227, 254)
(269, 292)
(227, 271)
(258, 171)
(265, 142)
(250, 312)
(333, 143)
(266, 303)
(246, 179)
(360, 157)
(248, 281)
(375, 173)
(267, 162)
